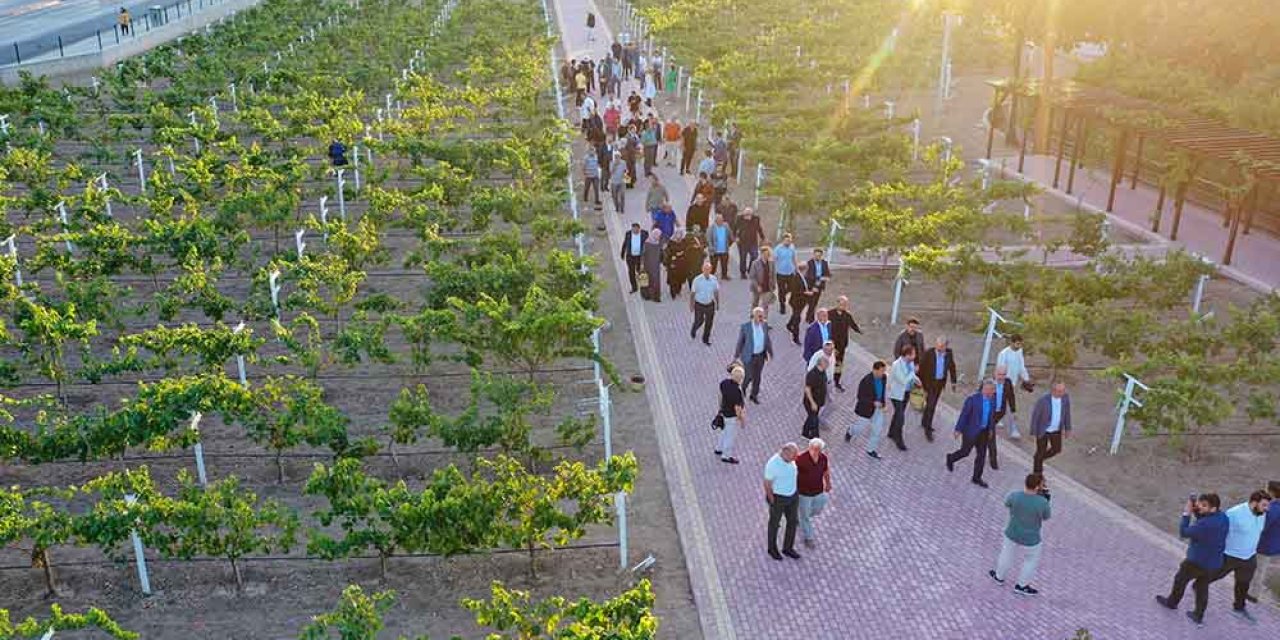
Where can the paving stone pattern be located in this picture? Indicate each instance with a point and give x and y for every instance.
(904, 547)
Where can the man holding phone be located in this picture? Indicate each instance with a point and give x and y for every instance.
(1208, 536)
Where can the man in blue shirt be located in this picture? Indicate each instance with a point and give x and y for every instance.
(719, 237)
(1204, 555)
(1269, 543)
(784, 259)
(974, 428)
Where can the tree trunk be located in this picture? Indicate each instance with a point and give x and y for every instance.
(382, 566)
(533, 562)
(49, 579)
(235, 571)
(279, 466)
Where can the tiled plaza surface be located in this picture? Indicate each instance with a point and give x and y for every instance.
(904, 547)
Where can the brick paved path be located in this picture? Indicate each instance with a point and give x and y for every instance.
(904, 547)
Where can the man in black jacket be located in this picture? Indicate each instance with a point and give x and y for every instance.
(749, 232)
(869, 409)
(632, 248)
(937, 365)
(815, 395)
(820, 272)
(842, 323)
(1005, 403)
(802, 290)
(688, 146)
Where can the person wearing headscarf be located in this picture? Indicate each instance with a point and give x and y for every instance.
(651, 263)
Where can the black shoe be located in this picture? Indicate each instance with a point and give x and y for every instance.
(992, 573)
(634, 290)
(980, 483)
(1198, 619)
(729, 460)
(848, 437)
(718, 452)
(951, 466)
(692, 335)
(928, 435)
(791, 553)
(1244, 614)
(1251, 598)
(795, 338)
(775, 555)
(1025, 590)
(706, 342)
(901, 445)
(755, 400)
(839, 387)
(872, 454)
(1164, 602)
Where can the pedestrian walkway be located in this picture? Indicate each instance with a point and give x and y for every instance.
(904, 546)
(1255, 261)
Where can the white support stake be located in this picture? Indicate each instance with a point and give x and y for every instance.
(273, 279)
(355, 171)
(1122, 409)
(831, 240)
(759, 181)
(66, 225)
(191, 116)
(299, 242)
(324, 216)
(244, 380)
(13, 253)
(1195, 303)
(199, 451)
(106, 198)
(888, 109)
(139, 558)
(142, 171)
(991, 333)
(342, 201)
(915, 140)
(898, 282)
(235, 103)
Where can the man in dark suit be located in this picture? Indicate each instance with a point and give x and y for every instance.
(632, 248)
(817, 335)
(869, 409)
(842, 323)
(754, 348)
(820, 272)
(1006, 403)
(802, 288)
(937, 365)
(815, 396)
(974, 427)
(1050, 423)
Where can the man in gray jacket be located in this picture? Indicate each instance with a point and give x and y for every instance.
(1050, 422)
(753, 349)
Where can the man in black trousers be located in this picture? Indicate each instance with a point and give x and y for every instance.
(632, 249)
(781, 479)
(936, 366)
(974, 428)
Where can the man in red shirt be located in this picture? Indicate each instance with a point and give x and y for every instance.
(813, 479)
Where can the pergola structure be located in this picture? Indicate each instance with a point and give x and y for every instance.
(1211, 148)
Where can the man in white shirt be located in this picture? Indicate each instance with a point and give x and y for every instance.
(1050, 423)
(703, 303)
(1245, 522)
(1015, 366)
(780, 493)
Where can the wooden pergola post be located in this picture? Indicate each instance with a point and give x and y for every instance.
(991, 124)
(1117, 169)
(1062, 146)
(1077, 151)
(1235, 212)
(1137, 163)
(1022, 149)
(1181, 199)
(1253, 208)
(1159, 212)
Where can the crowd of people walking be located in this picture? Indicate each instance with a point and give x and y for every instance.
(689, 245)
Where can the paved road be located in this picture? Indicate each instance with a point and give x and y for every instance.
(905, 547)
(34, 25)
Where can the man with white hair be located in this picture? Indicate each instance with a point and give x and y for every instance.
(828, 352)
(780, 483)
(733, 410)
(813, 484)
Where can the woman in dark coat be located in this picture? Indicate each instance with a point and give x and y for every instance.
(651, 263)
(677, 260)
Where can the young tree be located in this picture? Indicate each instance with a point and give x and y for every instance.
(26, 517)
(534, 507)
(33, 629)
(358, 616)
(223, 520)
(531, 334)
(45, 332)
(629, 616)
